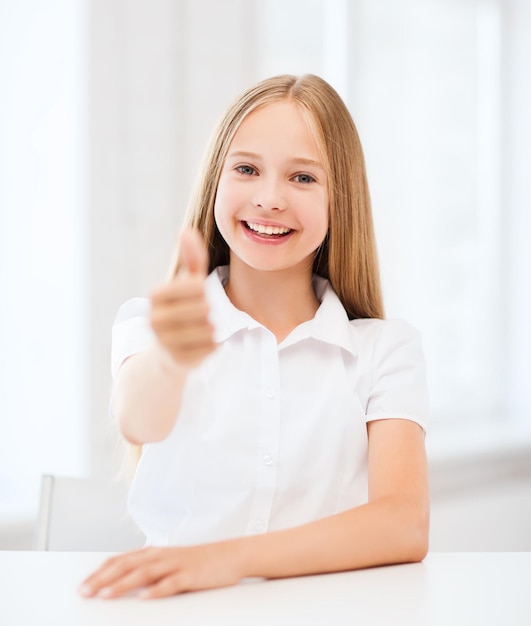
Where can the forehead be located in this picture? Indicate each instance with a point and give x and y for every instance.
(282, 125)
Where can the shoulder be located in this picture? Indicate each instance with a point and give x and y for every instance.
(394, 357)
(367, 329)
(360, 336)
(386, 330)
(131, 331)
(389, 348)
(133, 308)
(389, 343)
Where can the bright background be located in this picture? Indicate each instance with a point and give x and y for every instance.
(105, 107)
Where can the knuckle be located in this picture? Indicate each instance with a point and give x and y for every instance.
(155, 319)
(203, 307)
(111, 563)
(176, 583)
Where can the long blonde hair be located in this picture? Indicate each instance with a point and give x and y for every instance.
(347, 257)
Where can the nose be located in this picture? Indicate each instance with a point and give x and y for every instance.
(269, 194)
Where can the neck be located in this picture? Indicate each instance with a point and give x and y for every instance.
(279, 300)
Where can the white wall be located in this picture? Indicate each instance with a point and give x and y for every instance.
(44, 260)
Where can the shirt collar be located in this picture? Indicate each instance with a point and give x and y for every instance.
(227, 319)
(330, 324)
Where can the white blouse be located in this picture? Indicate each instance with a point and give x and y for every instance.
(271, 435)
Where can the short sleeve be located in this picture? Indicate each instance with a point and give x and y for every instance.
(399, 387)
(131, 331)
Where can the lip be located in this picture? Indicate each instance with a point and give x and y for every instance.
(256, 238)
(266, 223)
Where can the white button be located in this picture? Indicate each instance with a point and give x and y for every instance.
(268, 459)
(270, 393)
(258, 525)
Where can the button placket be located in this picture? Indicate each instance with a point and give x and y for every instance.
(269, 436)
(259, 525)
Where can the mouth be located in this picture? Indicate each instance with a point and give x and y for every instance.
(267, 231)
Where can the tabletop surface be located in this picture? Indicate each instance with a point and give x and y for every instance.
(40, 588)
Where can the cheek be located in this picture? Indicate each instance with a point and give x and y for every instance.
(321, 222)
(226, 202)
(220, 206)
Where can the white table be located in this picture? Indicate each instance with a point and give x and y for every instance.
(483, 589)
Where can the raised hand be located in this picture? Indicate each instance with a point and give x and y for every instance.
(179, 309)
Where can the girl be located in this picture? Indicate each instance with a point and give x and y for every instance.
(281, 417)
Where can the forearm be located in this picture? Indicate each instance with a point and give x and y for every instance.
(381, 532)
(146, 395)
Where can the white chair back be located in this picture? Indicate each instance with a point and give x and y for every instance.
(85, 515)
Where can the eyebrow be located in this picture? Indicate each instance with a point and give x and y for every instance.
(254, 155)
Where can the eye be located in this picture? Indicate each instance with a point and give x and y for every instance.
(247, 170)
(305, 179)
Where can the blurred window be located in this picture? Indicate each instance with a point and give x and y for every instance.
(441, 93)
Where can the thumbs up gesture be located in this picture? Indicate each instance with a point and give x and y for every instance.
(179, 309)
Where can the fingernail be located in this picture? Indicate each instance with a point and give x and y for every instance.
(85, 590)
(106, 592)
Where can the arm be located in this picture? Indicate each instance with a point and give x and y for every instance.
(146, 395)
(391, 528)
(147, 390)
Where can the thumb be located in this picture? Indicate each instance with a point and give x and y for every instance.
(193, 253)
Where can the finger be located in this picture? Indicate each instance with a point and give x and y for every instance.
(177, 582)
(112, 569)
(185, 286)
(187, 338)
(180, 314)
(192, 356)
(193, 253)
(141, 576)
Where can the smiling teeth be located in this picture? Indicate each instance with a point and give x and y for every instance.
(268, 230)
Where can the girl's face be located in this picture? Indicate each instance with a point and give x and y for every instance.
(272, 199)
